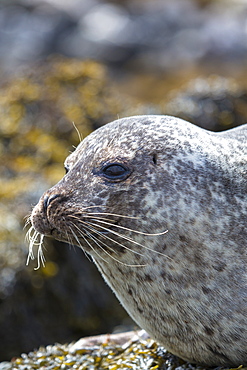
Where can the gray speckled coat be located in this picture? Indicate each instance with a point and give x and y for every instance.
(187, 288)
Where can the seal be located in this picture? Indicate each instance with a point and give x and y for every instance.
(160, 205)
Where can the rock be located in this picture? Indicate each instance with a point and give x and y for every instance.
(214, 103)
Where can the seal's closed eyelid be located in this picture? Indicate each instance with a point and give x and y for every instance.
(66, 169)
(115, 171)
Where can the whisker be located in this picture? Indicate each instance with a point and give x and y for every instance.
(88, 243)
(115, 259)
(128, 229)
(27, 221)
(32, 235)
(84, 208)
(91, 226)
(28, 233)
(112, 214)
(35, 239)
(91, 217)
(105, 213)
(78, 241)
(67, 234)
(40, 256)
(100, 246)
(77, 130)
(126, 238)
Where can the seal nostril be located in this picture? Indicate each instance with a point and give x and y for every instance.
(45, 202)
(48, 199)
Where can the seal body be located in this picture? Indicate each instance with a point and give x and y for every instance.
(127, 184)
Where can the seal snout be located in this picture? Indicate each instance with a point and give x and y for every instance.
(41, 216)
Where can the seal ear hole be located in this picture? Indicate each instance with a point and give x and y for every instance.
(66, 169)
(154, 158)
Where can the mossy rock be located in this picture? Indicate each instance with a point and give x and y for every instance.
(130, 350)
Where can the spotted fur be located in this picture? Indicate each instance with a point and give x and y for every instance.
(187, 287)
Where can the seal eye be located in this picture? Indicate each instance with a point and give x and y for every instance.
(115, 171)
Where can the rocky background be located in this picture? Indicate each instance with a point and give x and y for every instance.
(90, 62)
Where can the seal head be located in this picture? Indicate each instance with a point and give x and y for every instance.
(160, 205)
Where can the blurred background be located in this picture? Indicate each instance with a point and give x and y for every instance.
(90, 62)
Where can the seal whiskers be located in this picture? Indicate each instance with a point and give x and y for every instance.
(86, 240)
(35, 239)
(100, 243)
(122, 236)
(96, 241)
(104, 220)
